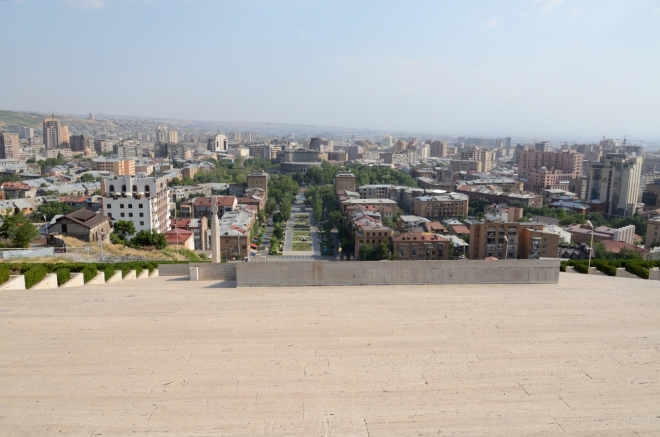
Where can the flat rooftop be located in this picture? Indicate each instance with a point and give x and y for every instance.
(168, 357)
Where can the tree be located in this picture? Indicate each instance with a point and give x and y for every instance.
(271, 205)
(51, 209)
(261, 215)
(149, 239)
(87, 177)
(18, 229)
(336, 217)
(318, 209)
(124, 229)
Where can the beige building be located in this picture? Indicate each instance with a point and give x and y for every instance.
(258, 179)
(652, 232)
(438, 149)
(10, 146)
(483, 156)
(434, 207)
(54, 134)
(345, 181)
(420, 246)
(371, 235)
(508, 240)
(616, 183)
(119, 167)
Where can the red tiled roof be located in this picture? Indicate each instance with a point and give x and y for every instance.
(178, 235)
(616, 246)
(460, 229)
(222, 201)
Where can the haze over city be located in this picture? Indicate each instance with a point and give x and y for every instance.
(548, 69)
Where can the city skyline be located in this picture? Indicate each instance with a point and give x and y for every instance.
(531, 68)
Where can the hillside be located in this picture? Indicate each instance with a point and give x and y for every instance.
(9, 119)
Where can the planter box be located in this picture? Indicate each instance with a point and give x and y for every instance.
(654, 274)
(130, 275)
(47, 283)
(144, 274)
(115, 278)
(98, 280)
(77, 280)
(15, 282)
(621, 272)
(153, 274)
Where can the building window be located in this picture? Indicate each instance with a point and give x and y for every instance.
(121, 205)
(109, 205)
(140, 205)
(141, 214)
(130, 214)
(110, 215)
(141, 223)
(130, 205)
(122, 214)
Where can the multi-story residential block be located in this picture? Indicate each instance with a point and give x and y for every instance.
(10, 146)
(142, 200)
(126, 151)
(438, 149)
(201, 206)
(161, 134)
(371, 235)
(420, 246)
(616, 183)
(181, 192)
(217, 143)
(507, 240)
(373, 191)
(652, 232)
(54, 134)
(583, 233)
(483, 156)
(235, 227)
(172, 136)
(118, 167)
(465, 165)
(435, 207)
(385, 206)
(145, 168)
(258, 179)
(542, 169)
(408, 222)
(504, 212)
(102, 146)
(501, 196)
(345, 181)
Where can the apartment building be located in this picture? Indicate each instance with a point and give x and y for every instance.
(616, 183)
(258, 179)
(345, 181)
(583, 233)
(142, 200)
(118, 167)
(10, 146)
(465, 165)
(542, 169)
(374, 191)
(483, 156)
(438, 149)
(235, 227)
(54, 134)
(652, 232)
(504, 212)
(371, 235)
(201, 206)
(507, 240)
(498, 195)
(420, 246)
(435, 207)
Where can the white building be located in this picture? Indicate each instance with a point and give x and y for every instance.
(218, 143)
(387, 142)
(141, 200)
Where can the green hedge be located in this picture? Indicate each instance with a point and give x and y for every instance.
(581, 268)
(34, 275)
(89, 272)
(109, 271)
(4, 274)
(63, 276)
(606, 268)
(638, 270)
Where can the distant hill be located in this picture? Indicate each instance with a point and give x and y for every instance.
(9, 119)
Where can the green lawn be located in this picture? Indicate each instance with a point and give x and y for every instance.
(301, 246)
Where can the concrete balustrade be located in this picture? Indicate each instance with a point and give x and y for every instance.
(47, 283)
(77, 280)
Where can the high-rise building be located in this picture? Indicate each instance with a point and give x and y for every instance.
(387, 142)
(438, 149)
(512, 240)
(54, 133)
(172, 136)
(543, 146)
(141, 200)
(10, 146)
(24, 132)
(77, 143)
(548, 170)
(616, 183)
(102, 146)
(91, 117)
(218, 143)
(478, 154)
(317, 144)
(161, 134)
(249, 137)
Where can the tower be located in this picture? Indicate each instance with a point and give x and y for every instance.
(215, 231)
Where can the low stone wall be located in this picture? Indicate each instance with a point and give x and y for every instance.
(654, 274)
(173, 269)
(621, 272)
(47, 283)
(99, 279)
(77, 280)
(215, 271)
(15, 282)
(287, 274)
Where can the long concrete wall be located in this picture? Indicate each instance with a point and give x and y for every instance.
(173, 269)
(213, 271)
(287, 274)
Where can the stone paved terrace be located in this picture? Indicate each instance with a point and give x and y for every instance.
(163, 357)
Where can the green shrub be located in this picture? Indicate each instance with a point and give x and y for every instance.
(4, 274)
(109, 271)
(34, 275)
(138, 269)
(63, 275)
(125, 269)
(581, 268)
(638, 270)
(562, 266)
(89, 272)
(608, 269)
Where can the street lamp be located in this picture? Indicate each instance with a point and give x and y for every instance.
(591, 248)
(339, 253)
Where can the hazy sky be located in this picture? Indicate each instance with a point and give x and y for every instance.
(490, 67)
